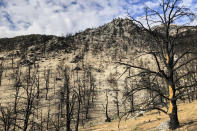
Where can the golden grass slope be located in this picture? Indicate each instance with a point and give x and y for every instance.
(187, 114)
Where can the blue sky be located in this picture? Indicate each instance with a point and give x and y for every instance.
(60, 17)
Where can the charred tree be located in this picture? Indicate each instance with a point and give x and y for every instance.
(1, 71)
(165, 44)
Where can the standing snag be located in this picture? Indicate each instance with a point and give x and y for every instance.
(163, 44)
(1, 71)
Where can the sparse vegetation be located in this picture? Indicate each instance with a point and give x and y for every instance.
(74, 82)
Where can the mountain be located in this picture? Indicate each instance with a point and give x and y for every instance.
(90, 57)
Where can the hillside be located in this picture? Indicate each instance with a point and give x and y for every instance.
(38, 68)
(151, 120)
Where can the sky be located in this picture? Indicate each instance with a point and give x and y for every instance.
(61, 17)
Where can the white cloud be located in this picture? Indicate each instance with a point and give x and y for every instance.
(153, 4)
(59, 17)
(186, 3)
(56, 17)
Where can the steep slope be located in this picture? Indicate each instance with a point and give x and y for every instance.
(91, 57)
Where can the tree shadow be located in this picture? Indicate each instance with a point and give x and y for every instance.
(189, 123)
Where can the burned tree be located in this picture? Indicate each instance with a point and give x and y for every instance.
(67, 98)
(17, 85)
(6, 117)
(108, 119)
(46, 78)
(166, 47)
(30, 95)
(1, 71)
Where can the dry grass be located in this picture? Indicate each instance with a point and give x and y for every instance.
(187, 112)
(187, 116)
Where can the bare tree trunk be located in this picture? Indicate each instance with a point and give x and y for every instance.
(87, 106)
(38, 86)
(26, 121)
(106, 110)
(79, 103)
(78, 111)
(1, 72)
(12, 61)
(174, 122)
(66, 86)
(47, 76)
(15, 107)
(30, 97)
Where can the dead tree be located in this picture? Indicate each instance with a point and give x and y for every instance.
(88, 95)
(108, 119)
(67, 99)
(46, 77)
(30, 97)
(79, 98)
(12, 58)
(1, 72)
(129, 97)
(17, 85)
(6, 117)
(78, 93)
(38, 85)
(165, 44)
(117, 103)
